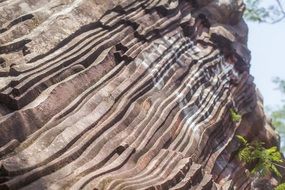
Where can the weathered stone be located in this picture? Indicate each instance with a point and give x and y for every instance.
(125, 95)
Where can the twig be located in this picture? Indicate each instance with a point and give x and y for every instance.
(277, 20)
(280, 6)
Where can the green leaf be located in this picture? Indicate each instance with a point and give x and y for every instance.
(235, 116)
(241, 139)
(280, 187)
(259, 168)
(275, 170)
(266, 158)
(245, 155)
(271, 150)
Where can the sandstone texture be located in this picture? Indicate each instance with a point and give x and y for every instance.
(125, 94)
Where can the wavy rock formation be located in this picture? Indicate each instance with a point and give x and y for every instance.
(125, 94)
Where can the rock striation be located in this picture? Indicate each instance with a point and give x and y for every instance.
(125, 94)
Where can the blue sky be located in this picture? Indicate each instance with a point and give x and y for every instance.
(267, 45)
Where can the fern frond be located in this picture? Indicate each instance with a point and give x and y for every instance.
(235, 116)
(266, 159)
(275, 170)
(280, 187)
(241, 139)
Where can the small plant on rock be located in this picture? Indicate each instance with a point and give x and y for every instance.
(266, 159)
(235, 116)
(280, 187)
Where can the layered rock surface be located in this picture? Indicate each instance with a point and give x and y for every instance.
(125, 94)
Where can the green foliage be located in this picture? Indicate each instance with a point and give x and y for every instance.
(254, 12)
(242, 140)
(278, 117)
(280, 83)
(235, 116)
(265, 160)
(278, 114)
(280, 187)
(257, 11)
